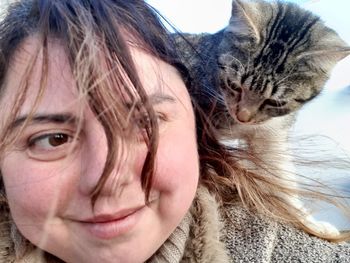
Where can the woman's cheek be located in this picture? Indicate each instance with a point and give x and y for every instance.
(177, 161)
(34, 188)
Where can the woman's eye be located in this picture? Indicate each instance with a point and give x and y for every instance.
(144, 120)
(49, 140)
(49, 147)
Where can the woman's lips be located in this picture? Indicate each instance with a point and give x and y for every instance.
(109, 226)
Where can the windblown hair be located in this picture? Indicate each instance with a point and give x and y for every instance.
(93, 31)
(272, 58)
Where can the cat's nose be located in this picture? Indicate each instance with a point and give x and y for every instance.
(244, 115)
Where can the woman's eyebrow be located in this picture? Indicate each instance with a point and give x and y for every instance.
(157, 98)
(154, 99)
(44, 118)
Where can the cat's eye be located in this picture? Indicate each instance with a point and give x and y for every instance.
(234, 87)
(276, 112)
(237, 88)
(274, 103)
(230, 85)
(49, 146)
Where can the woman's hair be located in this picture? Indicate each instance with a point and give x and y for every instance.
(96, 36)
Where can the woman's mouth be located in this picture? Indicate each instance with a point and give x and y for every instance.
(108, 226)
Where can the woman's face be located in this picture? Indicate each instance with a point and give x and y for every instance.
(49, 193)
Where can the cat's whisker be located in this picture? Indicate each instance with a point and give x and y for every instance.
(240, 64)
(213, 95)
(284, 78)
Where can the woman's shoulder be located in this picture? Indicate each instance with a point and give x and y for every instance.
(250, 237)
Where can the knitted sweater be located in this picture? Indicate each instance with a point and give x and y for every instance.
(244, 237)
(204, 236)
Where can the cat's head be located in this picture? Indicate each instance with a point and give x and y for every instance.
(274, 57)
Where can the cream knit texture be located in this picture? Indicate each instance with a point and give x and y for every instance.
(203, 236)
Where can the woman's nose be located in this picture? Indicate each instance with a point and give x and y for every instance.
(126, 166)
(92, 159)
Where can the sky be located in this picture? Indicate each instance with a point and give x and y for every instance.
(195, 16)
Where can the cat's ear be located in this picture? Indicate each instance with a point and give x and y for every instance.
(244, 20)
(326, 51)
(331, 53)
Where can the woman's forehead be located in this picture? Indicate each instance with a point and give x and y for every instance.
(61, 93)
(58, 81)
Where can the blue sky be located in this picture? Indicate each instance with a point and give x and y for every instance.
(196, 16)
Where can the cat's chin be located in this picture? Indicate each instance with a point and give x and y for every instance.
(251, 122)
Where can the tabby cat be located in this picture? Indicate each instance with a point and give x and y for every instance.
(270, 60)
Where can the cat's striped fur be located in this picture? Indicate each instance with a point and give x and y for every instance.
(270, 60)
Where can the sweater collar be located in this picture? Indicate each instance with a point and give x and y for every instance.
(198, 237)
